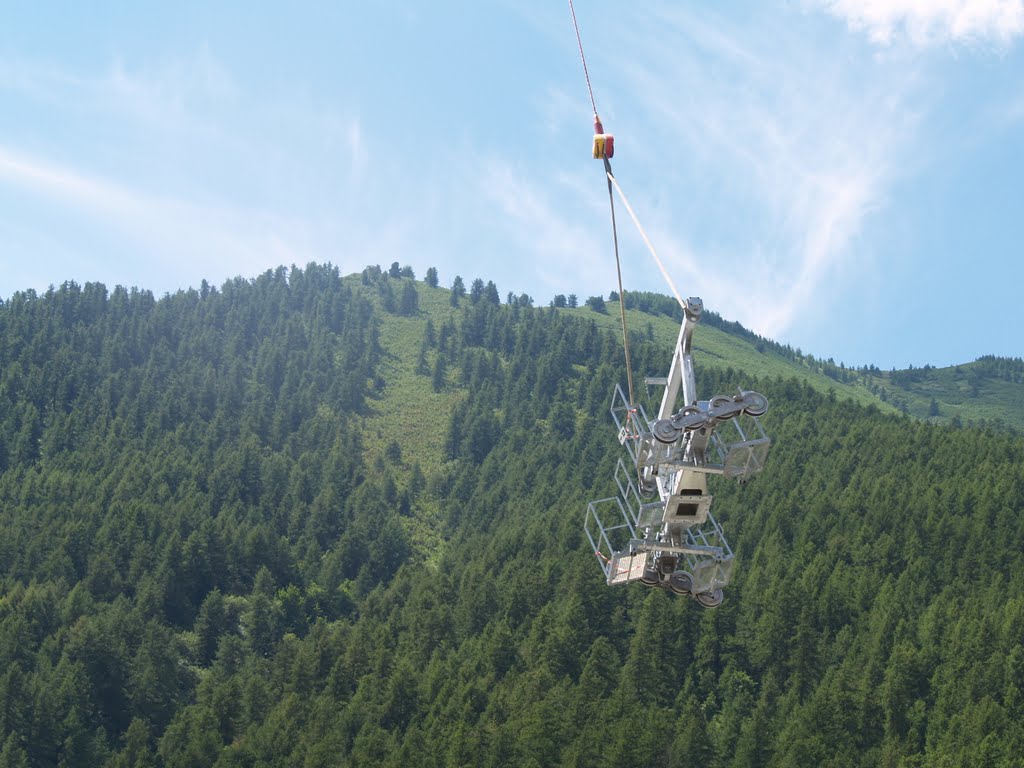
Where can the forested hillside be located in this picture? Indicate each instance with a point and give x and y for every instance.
(321, 521)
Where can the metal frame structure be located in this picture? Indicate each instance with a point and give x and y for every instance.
(659, 529)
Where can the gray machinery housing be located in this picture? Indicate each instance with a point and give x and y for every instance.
(659, 529)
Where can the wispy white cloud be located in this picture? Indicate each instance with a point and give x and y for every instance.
(753, 161)
(1014, 112)
(932, 22)
(163, 229)
(789, 144)
(193, 175)
(358, 152)
(179, 94)
(553, 247)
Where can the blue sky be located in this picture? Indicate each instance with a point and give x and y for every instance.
(840, 175)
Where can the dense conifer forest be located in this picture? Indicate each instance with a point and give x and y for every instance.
(222, 543)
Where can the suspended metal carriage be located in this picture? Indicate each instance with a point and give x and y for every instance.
(658, 529)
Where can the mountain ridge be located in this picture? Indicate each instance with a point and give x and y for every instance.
(986, 391)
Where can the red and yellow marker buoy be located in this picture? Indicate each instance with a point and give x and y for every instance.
(604, 143)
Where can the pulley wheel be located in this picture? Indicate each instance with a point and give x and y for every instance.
(682, 420)
(664, 432)
(681, 582)
(755, 403)
(711, 599)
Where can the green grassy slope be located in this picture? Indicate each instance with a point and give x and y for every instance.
(987, 391)
(716, 348)
(405, 410)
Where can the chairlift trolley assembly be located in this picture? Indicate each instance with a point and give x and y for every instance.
(659, 529)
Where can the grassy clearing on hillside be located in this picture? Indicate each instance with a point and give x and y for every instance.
(989, 400)
(407, 410)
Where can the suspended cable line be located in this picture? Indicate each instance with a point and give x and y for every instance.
(583, 58)
(664, 273)
(604, 148)
(622, 293)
